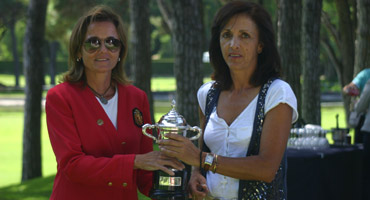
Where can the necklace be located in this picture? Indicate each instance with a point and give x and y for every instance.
(101, 96)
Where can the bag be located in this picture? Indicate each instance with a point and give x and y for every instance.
(354, 119)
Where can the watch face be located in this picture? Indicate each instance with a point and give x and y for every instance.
(209, 159)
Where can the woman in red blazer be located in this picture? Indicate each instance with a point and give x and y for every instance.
(95, 116)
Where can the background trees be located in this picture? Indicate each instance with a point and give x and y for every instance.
(33, 71)
(10, 12)
(184, 18)
(310, 61)
(178, 31)
(362, 44)
(140, 51)
(289, 44)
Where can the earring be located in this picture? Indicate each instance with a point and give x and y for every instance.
(78, 60)
(119, 59)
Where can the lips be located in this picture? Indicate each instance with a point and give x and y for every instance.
(101, 59)
(234, 55)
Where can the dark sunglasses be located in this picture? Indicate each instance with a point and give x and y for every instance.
(92, 44)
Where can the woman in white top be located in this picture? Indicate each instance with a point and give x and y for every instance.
(244, 57)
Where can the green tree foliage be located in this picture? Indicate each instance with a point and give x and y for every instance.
(10, 12)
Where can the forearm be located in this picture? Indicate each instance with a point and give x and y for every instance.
(363, 103)
(247, 168)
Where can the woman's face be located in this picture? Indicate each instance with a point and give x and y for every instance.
(240, 44)
(97, 58)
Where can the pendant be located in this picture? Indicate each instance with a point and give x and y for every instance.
(103, 100)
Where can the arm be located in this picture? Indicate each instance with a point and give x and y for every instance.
(363, 103)
(144, 178)
(197, 183)
(275, 134)
(73, 161)
(262, 167)
(96, 169)
(351, 89)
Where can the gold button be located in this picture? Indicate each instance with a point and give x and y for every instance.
(110, 183)
(124, 184)
(123, 143)
(100, 122)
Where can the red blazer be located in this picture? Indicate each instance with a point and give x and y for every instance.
(95, 160)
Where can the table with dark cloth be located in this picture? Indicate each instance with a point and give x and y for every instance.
(333, 173)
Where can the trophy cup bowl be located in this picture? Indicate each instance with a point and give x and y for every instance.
(166, 186)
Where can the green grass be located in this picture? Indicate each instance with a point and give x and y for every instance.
(35, 189)
(11, 133)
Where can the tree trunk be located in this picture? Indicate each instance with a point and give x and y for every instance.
(362, 56)
(54, 46)
(344, 40)
(185, 20)
(33, 71)
(289, 37)
(311, 112)
(15, 51)
(140, 54)
(346, 47)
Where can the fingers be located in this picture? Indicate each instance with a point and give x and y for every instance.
(203, 188)
(174, 163)
(199, 191)
(174, 136)
(169, 164)
(169, 151)
(166, 170)
(197, 186)
(173, 140)
(156, 160)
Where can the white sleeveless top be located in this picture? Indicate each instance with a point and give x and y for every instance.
(233, 140)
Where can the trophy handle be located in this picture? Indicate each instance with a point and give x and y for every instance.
(195, 129)
(150, 126)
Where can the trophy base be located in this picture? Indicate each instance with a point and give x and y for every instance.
(168, 195)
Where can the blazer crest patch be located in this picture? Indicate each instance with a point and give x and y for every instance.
(138, 117)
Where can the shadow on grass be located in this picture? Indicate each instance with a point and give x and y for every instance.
(35, 189)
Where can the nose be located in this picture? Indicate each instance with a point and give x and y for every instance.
(103, 48)
(234, 43)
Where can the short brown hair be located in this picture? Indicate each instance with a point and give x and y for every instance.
(98, 13)
(268, 62)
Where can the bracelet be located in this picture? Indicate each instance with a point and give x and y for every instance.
(214, 164)
(200, 160)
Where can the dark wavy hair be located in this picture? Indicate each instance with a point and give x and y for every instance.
(100, 13)
(268, 62)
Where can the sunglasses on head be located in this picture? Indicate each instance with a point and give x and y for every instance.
(92, 44)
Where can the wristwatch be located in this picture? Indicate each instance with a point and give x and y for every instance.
(208, 161)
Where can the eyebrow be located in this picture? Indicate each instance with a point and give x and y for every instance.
(101, 38)
(240, 31)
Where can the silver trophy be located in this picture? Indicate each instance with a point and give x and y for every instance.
(164, 185)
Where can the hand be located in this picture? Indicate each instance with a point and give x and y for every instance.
(180, 147)
(156, 160)
(197, 185)
(351, 89)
